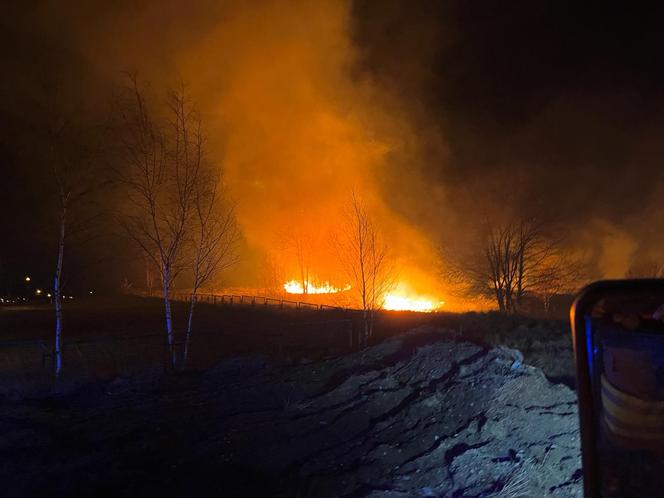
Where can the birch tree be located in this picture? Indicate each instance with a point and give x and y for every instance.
(71, 158)
(160, 171)
(214, 235)
(64, 196)
(364, 256)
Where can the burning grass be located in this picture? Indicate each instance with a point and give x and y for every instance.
(401, 298)
(307, 287)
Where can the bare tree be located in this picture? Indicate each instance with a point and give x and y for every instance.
(65, 197)
(71, 158)
(213, 237)
(556, 275)
(271, 275)
(646, 269)
(161, 167)
(488, 270)
(299, 242)
(364, 257)
(543, 269)
(513, 259)
(301, 248)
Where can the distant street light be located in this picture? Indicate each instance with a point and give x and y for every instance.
(27, 286)
(38, 292)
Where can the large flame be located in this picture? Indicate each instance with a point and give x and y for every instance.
(403, 299)
(296, 287)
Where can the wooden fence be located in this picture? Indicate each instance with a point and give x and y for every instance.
(246, 300)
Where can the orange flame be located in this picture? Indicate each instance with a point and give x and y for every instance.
(295, 287)
(402, 299)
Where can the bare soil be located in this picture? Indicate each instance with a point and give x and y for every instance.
(422, 414)
(276, 403)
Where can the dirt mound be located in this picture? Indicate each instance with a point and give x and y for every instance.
(418, 415)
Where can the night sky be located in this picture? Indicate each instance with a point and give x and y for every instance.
(548, 107)
(568, 95)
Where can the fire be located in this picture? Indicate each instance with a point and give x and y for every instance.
(295, 287)
(404, 300)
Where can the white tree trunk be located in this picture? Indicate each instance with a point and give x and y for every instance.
(168, 315)
(57, 293)
(192, 304)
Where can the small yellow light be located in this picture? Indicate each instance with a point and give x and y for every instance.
(38, 292)
(48, 295)
(27, 279)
